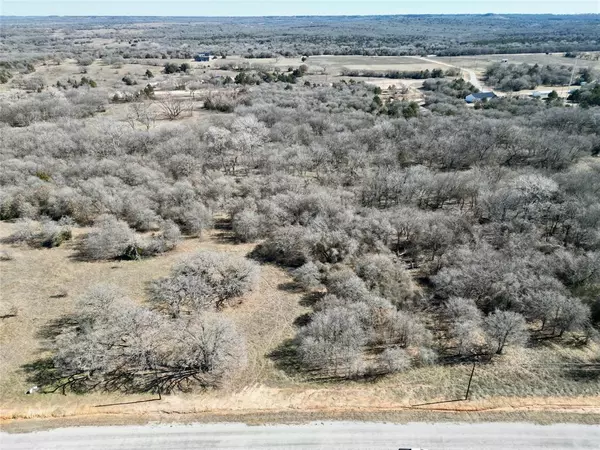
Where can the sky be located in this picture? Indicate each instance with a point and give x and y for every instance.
(289, 7)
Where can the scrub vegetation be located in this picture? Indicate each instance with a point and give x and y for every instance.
(417, 236)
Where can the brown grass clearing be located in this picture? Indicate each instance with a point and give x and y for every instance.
(36, 280)
(335, 63)
(109, 76)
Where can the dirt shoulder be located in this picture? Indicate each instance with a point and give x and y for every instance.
(269, 405)
(257, 417)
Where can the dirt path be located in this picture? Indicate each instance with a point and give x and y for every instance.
(472, 75)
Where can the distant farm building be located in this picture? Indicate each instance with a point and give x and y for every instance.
(479, 97)
(202, 57)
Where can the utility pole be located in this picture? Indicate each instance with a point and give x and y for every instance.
(572, 75)
(469, 385)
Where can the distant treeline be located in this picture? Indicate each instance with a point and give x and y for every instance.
(267, 37)
(396, 74)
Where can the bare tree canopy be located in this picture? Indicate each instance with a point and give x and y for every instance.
(172, 107)
(205, 281)
(114, 344)
(505, 327)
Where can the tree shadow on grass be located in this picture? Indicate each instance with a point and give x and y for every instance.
(302, 320)
(584, 373)
(42, 373)
(287, 359)
(224, 233)
(225, 237)
(454, 359)
(54, 327)
(310, 299)
(291, 286)
(222, 223)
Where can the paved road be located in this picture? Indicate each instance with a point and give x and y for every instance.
(328, 435)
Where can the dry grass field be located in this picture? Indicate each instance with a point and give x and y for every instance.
(40, 285)
(105, 75)
(110, 76)
(323, 69)
(332, 64)
(336, 63)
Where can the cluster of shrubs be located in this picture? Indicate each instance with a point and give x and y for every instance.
(458, 88)
(516, 77)
(84, 81)
(586, 96)
(46, 233)
(128, 80)
(361, 324)
(112, 343)
(222, 101)
(134, 95)
(5, 76)
(112, 238)
(256, 77)
(48, 106)
(203, 282)
(171, 67)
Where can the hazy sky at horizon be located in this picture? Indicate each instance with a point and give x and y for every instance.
(290, 7)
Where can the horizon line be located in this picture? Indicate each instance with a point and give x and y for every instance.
(310, 15)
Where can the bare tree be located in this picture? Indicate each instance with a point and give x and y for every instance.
(207, 349)
(193, 86)
(347, 285)
(204, 281)
(469, 335)
(394, 359)
(386, 277)
(143, 113)
(463, 309)
(246, 225)
(174, 107)
(111, 238)
(114, 344)
(309, 275)
(505, 327)
(40, 234)
(392, 327)
(332, 342)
